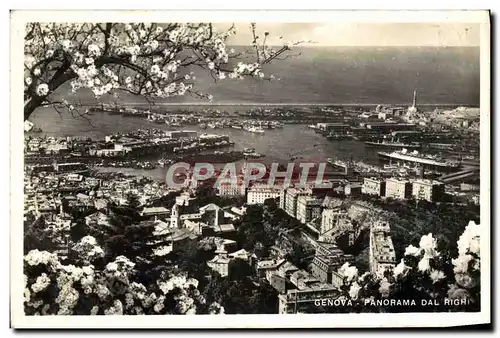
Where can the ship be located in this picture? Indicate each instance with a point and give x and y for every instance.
(391, 144)
(338, 137)
(337, 164)
(236, 126)
(431, 162)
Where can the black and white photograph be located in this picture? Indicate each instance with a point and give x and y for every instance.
(233, 165)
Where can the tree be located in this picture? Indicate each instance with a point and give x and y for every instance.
(78, 230)
(133, 201)
(36, 236)
(155, 61)
(239, 269)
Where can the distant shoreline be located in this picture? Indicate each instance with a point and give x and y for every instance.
(204, 104)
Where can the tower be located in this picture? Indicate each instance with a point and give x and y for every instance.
(174, 217)
(413, 109)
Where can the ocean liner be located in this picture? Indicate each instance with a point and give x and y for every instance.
(431, 162)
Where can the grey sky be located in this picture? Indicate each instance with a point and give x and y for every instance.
(363, 34)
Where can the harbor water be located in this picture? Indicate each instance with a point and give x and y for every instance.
(293, 142)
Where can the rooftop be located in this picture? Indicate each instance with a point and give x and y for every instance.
(270, 263)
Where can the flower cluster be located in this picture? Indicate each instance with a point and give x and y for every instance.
(141, 58)
(88, 249)
(348, 271)
(36, 257)
(467, 265)
(111, 288)
(423, 263)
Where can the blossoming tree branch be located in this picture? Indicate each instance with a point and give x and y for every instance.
(155, 61)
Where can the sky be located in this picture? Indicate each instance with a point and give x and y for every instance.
(364, 34)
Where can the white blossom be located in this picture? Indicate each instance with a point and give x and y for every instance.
(29, 61)
(469, 240)
(436, 275)
(27, 294)
(155, 69)
(94, 50)
(42, 282)
(66, 45)
(461, 263)
(400, 269)
(35, 257)
(42, 89)
(354, 290)
(464, 280)
(423, 265)
(94, 310)
(428, 244)
(67, 299)
(412, 251)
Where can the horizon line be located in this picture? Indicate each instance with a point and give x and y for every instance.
(298, 104)
(313, 45)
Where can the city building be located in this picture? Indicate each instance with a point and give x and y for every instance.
(469, 187)
(308, 208)
(282, 199)
(333, 127)
(212, 214)
(220, 263)
(353, 189)
(290, 200)
(428, 190)
(258, 193)
(175, 134)
(398, 188)
(184, 199)
(306, 290)
(382, 254)
(373, 186)
(175, 217)
(267, 268)
(240, 254)
(386, 127)
(343, 227)
(155, 212)
(328, 259)
(330, 219)
(167, 239)
(228, 189)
